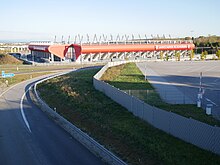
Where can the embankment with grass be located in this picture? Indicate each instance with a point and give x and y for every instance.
(132, 139)
(8, 59)
(129, 77)
(22, 72)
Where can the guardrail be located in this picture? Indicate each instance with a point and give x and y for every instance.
(197, 133)
(82, 137)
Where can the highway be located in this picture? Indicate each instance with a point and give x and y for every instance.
(184, 76)
(28, 136)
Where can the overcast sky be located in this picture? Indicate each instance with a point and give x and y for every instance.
(43, 19)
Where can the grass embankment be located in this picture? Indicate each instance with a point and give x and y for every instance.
(7, 59)
(39, 68)
(19, 78)
(129, 77)
(132, 139)
(10, 64)
(25, 72)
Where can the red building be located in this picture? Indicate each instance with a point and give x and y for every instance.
(106, 51)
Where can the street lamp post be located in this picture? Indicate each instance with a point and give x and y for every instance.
(200, 91)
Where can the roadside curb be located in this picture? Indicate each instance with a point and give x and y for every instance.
(75, 132)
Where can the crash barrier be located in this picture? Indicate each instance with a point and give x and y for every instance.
(192, 131)
(82, 137)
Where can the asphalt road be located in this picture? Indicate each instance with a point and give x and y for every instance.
(44, 143)
(185, 77)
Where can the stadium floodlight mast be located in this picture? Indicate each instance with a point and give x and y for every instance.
(105, 38)
(145, 36)
(111, 37)
(80, 39)
(62, 39)
(132, 37)
(152, 36)
(164, 36)
(94, 38)
(126, 38)
(117, 39)
(158, 37)
(55, 39)
(100, 39)
(68, 39)
(75, 38)
(139, 38)
(169, 36)
(122, 38)
(88, 38)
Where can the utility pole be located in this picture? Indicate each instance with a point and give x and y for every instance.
(200, 91)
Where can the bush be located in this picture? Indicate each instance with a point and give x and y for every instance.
(218, 54)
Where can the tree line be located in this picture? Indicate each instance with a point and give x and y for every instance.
(206, 45)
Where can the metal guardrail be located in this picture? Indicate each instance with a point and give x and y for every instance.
(82, 137)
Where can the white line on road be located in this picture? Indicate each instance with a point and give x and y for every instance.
(22, 110)
(216, 80)
(211, 68)
(211, 101)
(198, 69)
(8, 89)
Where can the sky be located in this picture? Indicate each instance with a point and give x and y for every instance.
(44, 19)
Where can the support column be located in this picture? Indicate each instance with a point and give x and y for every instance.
(52, 57)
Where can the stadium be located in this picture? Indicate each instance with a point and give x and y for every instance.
(106, 51)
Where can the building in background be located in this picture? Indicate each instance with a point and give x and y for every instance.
(109, 50)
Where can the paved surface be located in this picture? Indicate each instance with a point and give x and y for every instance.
(46, 144)
(185, 78)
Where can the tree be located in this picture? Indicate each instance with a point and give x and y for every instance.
(192, 54)
(203, 55)
(218, 54)
(167, 57)
(161, 55)
(177, 55)
(188, 38)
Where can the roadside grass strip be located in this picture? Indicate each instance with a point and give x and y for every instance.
(130, 78)
(133, 140)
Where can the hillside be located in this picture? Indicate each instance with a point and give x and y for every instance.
(8, 59)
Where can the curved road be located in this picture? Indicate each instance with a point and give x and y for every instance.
(45, 142)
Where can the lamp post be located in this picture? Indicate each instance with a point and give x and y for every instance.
(200, 91)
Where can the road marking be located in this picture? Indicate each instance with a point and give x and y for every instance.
(8, 89)
(211, 68)
(211, 101)
(22, 110)
(197, 69)
(216, 80)
(18, 84)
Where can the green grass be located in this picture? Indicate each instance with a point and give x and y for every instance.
(25, 72)
(132, 139)
(32, 68)
(19, 78)
(126, 77)
(130, 78)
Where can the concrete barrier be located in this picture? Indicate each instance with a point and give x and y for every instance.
(82, 137)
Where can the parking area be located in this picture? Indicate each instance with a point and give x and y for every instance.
(183, 78)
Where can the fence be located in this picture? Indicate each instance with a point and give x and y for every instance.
(153, 98)
(187, 129)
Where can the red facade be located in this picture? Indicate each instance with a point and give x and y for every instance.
(60, 50)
